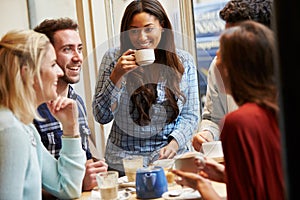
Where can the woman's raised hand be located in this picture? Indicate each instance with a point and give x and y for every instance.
(125, 64)
(65, 110)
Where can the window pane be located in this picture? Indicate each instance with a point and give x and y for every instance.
(208, 27)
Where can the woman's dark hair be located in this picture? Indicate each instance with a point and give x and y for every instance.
(143, 97)
(248, 54)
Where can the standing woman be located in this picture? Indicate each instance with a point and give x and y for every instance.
(29, 76)
(155, 108)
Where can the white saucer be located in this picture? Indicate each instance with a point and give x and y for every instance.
(123, 182)
(185, 193)
(122, 195)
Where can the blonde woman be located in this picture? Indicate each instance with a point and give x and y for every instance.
(28, 77)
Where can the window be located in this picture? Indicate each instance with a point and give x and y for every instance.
(208, 27)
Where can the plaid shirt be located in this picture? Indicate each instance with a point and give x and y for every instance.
(126, 137)
(51, 129)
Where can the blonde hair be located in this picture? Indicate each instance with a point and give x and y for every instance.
(21, 48)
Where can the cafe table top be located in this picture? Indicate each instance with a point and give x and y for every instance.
(220, 188)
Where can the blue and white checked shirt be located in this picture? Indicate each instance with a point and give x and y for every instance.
(126, 137)
(51, 129)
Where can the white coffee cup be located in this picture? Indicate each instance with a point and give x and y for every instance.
(144, 56)
(186, 161)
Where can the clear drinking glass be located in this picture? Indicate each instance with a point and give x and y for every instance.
(108, 185)
(131, 164)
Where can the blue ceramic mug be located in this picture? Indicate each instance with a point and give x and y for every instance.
(150, 182)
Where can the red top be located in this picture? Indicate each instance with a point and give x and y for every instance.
(252, 152)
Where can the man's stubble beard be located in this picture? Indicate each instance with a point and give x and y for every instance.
(68, 80)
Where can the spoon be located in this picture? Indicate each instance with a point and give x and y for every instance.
(130, 189)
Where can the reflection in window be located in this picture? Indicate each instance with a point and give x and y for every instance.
(208, 27)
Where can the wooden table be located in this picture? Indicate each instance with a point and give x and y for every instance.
(219, 187)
